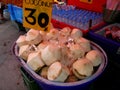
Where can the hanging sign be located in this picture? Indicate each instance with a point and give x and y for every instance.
(37, 14)
(87, 1)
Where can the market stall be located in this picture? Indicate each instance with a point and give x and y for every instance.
(71, 21)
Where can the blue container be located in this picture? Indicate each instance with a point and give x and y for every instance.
(112, 48)
(79, 85)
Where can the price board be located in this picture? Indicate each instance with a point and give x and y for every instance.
(37, 14)
(87, 1)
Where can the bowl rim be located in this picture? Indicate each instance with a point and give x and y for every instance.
(37, 77)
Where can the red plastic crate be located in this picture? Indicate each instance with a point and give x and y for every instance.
(95, 6)
(58, 24)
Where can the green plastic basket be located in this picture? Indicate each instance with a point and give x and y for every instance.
(29, 81)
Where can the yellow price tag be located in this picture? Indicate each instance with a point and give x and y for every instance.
(87, 1)
(37, 14)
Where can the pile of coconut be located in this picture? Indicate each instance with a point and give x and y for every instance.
(59, 55)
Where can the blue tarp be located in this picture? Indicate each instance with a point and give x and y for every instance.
(16, 13)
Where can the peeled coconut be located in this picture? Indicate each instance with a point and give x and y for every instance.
(21, 41)
(82, 68)
(76, 51)
(50, 54)
(33, 37)
(34, 61)
(95, 57)
(84, 43)
(25, 50)
(76, 33)
(58, 72)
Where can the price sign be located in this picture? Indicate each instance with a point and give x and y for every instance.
(37, 14)
(87, 1)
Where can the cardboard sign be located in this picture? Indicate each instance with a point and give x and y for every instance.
(87, 1)
(37, 14)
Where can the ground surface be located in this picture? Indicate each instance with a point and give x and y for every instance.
(10, 76)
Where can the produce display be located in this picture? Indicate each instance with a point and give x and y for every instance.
(61, 55)
(113, 33)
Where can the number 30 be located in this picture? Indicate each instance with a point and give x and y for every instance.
(41, 16)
